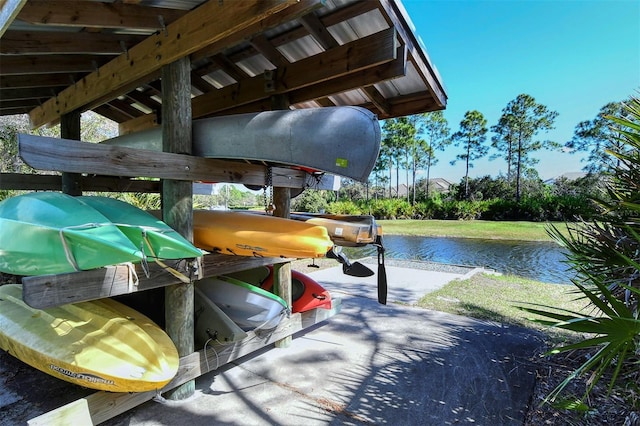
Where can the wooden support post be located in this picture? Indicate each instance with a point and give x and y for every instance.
(282, 203)
(70, 129)
(282, 282)
(177, 206)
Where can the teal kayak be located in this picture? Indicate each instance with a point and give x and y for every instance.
(157, 239)
(52, 233)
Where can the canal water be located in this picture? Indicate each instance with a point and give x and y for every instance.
(541, 261)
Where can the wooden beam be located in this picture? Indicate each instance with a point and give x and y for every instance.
(332, 18)
(145, 100)
(388, 71)
(7, 105)
(9, 9)
(102, 406)
(64, 155)
(30, 93)
(377, 99)
(319, 32)
(35, 80)
(54, 42)
(408, 104)
(345, 60)
(209, 23)
(97, 14)
(126, 108)
(366, 77)
(25, 182)
(45, 291)
(268, 50)
(229, 67)
(114, 114)
(291, 13)
(47, 64)
(136, 124)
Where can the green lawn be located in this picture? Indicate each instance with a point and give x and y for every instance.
(526, 231)
(497, 297)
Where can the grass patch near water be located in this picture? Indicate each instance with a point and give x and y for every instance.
(496, 297)
(524, 231)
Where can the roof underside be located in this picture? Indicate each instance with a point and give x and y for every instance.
(60, 56)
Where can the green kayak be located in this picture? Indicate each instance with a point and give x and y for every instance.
(51, 233)
(156, 238)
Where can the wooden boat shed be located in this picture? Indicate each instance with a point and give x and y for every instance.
(144, 63)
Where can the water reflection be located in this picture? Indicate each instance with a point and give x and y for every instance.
(542, 261)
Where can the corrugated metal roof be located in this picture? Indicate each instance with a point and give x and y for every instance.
(50, 52)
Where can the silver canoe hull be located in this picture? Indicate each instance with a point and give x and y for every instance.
(344, 141)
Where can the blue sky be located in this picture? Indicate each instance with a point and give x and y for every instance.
(574, 56)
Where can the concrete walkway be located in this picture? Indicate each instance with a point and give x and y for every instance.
(371, 364)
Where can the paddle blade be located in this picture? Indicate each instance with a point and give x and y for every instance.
(382, 273)
(382, 284)
(356, 269)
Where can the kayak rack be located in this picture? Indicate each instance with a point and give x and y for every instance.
(45, 291)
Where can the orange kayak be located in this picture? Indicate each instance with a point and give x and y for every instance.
(247, 234)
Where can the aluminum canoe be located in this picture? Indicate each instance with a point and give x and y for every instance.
(344, 141)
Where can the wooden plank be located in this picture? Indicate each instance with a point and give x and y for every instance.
(8, 11)
(27, 182)
(65, 155)
(97, 15)
(18, 181)
(32, 81)
(47, 64)
(102, 406)
(49, 42)
(211, 22)
(44, 291)
(350, 58)
(137, 124)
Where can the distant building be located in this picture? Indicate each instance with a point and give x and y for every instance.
(440, 185)
(568, 176)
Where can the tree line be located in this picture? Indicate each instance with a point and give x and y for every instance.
(411, 144)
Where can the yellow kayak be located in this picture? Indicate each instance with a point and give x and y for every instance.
(247, 234)
(101, 344)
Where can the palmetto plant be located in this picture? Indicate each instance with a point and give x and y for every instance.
(605, 254)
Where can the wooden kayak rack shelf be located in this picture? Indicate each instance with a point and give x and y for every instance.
(44, 291)
(51, 290)
(111, 167)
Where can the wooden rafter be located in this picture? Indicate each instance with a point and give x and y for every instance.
(344, 60)
(319, 31)
(47, 64)
(186, 35)
(97, 15)
(50, 42)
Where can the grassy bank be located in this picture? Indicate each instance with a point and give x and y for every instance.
(525, 231)
(496, 297)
